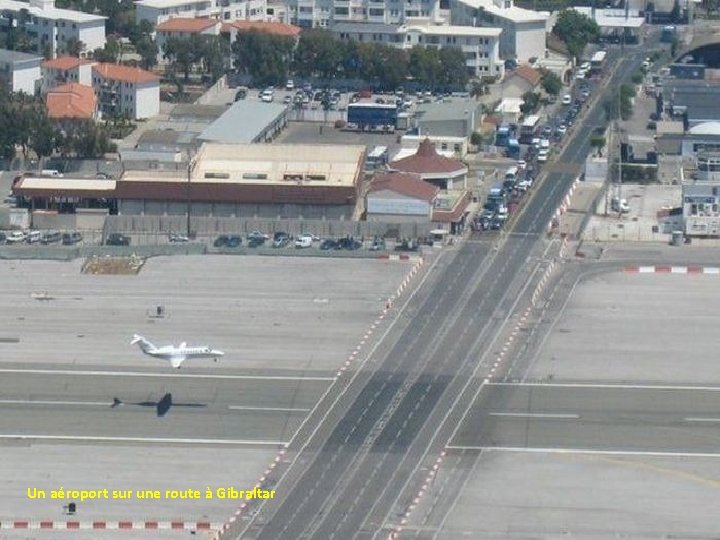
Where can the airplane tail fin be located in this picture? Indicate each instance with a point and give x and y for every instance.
(144, 344)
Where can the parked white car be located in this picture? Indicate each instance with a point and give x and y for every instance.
(567, 99)
(542, 156)
(267, 95)
(16, 237)
(304, 241)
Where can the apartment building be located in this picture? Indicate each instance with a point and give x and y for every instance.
(158, 11)
(523, 30)
(53, 31)
(20, 72)
(479, 45)
(325, 13)
(182, 27)
(66, 70)
(126, 91)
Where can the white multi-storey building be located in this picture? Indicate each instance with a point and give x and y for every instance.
(126, 91)
(480, 46)
(66, 70)
(20, 72)
(324, 13)
(53, 31)
(157, 11)
(523, 30)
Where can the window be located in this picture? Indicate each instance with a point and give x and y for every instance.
(222, 175)
(293, 177)
(341, 11)
(316, 177)
(254, 176)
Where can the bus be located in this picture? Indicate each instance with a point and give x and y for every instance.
(528, 128)
(597, 62)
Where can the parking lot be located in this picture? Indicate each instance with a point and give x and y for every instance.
(82, 407)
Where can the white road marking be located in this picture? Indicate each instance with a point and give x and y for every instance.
(269, 409)
(40, 402)
(652, 453)
(160, 440)
(610, 386)
(161, 375)
(691, 419)
(536, 415)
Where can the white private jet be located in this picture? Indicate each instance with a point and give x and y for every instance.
(176, 355)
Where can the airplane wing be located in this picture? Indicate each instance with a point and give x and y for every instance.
(175, 361)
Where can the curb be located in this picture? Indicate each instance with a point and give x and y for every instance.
(112, 525)
(668, 269)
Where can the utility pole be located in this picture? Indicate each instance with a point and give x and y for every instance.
(619, 137)
(190, 167)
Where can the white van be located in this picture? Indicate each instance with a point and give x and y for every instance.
(51, 172)
(33, 237)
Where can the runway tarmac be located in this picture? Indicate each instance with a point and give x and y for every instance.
(136, 408)
(594, 417)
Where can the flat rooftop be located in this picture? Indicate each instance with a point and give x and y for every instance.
(50, 13)
(514, 13)
(243, 122)
(308, 165)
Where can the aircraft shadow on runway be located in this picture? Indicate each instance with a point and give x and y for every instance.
(162, 407)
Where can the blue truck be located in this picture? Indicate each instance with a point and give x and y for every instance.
(502, 136)
(369, 116)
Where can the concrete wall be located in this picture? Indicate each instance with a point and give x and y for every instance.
(269, 211)
(147, 100)
(212, 226)
(27, 80)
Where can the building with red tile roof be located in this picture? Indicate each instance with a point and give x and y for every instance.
(432, 167)
(183, 28)
(66, 70)
(126, 91)
(188, 25)
(397, 197)
(275, 28)
(72, 102)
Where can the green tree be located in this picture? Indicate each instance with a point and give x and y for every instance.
(576, 31)
(148, 51)
(217, 56)
(674, 44)
(263, 56)
(44, 135)
(551, 83)
(182, 54)
(598, 142)
(424, 66)
(318, 53)
(531, 101)
(74, 47)
(453, 70)
(110, 53)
